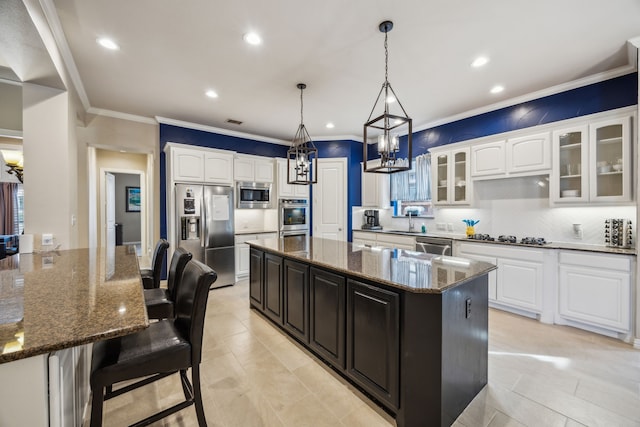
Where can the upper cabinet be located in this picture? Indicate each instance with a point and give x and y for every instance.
(253, 169)
(592, 163)
(286, 190)
(450, 183)
(375, 189)
(526, 155)
(610, 160)
(198, 165)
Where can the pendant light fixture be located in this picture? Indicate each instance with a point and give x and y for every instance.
(387, 127)
(302, 157)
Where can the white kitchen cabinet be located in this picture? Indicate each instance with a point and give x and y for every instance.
(493, 274)
(517, 156)
(188, 164)
(386, 240)
(201, 165)
(531, 153)
(592, 163)
(243, 249)
(595, 289)
(218, 167)
(610, 160)
(375, 189)
(450, 177)
(520, 283)
(396, 241)
(363, 238)
(569, 180)
(488, 159)
(521, 279)
(253, 169)
(286, 190)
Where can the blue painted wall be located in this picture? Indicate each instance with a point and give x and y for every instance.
(608, 95)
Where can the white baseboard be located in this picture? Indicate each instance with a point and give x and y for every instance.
(636, 343)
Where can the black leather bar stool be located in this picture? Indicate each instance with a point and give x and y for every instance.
(166, 347)
(151, 277)
(159, 301)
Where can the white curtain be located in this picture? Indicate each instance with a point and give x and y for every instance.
(413, 185)
(423, 177)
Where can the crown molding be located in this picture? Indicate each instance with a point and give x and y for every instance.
(338, 138)
(221, 131)
(585, 81)
(64, 51)
(123, 116)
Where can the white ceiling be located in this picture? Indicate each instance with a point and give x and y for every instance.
(172, 51)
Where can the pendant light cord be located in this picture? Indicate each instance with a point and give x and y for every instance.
(301, 107)
(386, 59)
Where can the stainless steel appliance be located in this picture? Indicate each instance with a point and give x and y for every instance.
(293, 217)
(204, 221)
(618, 232)
(434, 245)
(254, 195)
(371, 220)
(528, 241)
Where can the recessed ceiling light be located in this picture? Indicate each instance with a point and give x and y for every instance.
(252, 38)
(480, 61)
(211, 94)
(108, 43)
(330, 125)
(497, 89)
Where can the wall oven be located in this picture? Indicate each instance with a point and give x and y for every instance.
(293, 217)
(254, 195)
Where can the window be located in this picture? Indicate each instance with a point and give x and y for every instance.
(411, 190)
(18, 211)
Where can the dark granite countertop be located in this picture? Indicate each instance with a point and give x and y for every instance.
(407, 270)
(552, 245)
(56, 300)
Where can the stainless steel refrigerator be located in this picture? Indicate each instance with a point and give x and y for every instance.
(204, 222)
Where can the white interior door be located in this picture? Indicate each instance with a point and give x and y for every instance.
(330, 200)
(110, 209)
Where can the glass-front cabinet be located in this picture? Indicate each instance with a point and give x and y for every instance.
(592, 163)
(610, 162)
(450, 177)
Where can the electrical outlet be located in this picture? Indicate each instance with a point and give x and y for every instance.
(441, 226)
(449, 227)
(577, 231)
(47, 239)
(468, 308)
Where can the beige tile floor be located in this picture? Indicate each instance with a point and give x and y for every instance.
(253, 375)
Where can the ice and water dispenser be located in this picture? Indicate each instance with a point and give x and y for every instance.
(190, 217)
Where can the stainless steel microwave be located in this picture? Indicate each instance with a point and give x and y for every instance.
(253, 195)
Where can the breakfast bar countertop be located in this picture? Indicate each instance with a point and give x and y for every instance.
(55, 300)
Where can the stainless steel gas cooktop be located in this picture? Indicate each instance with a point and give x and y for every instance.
(529, 241)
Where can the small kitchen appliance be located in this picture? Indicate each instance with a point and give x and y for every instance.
(371, 220)
(618, 232)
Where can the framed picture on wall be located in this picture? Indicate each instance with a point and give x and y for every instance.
(133, 199)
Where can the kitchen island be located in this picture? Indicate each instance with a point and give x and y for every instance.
(409, 329)
(51, 303)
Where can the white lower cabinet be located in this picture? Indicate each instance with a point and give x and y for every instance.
(387, 240)
(596, 289)
(242, 251)
(520, 284)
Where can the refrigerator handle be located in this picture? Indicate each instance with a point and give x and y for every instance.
(203, 219)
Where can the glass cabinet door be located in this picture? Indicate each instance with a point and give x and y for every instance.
(571, 170)
(459, 184)
(610, 163)
(442, 175)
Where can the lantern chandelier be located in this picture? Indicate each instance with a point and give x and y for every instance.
(302, 157)
(387, 127)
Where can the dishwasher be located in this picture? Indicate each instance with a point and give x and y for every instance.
(434, 245)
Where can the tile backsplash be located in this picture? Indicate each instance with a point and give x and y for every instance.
(518, 207)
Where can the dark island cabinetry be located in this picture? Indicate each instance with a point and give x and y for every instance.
(256, 261)
(273, 298)
(296, 299)
(408, 329)
(373, 340)
(327, 313)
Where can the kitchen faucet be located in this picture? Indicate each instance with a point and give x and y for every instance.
(411, 226)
